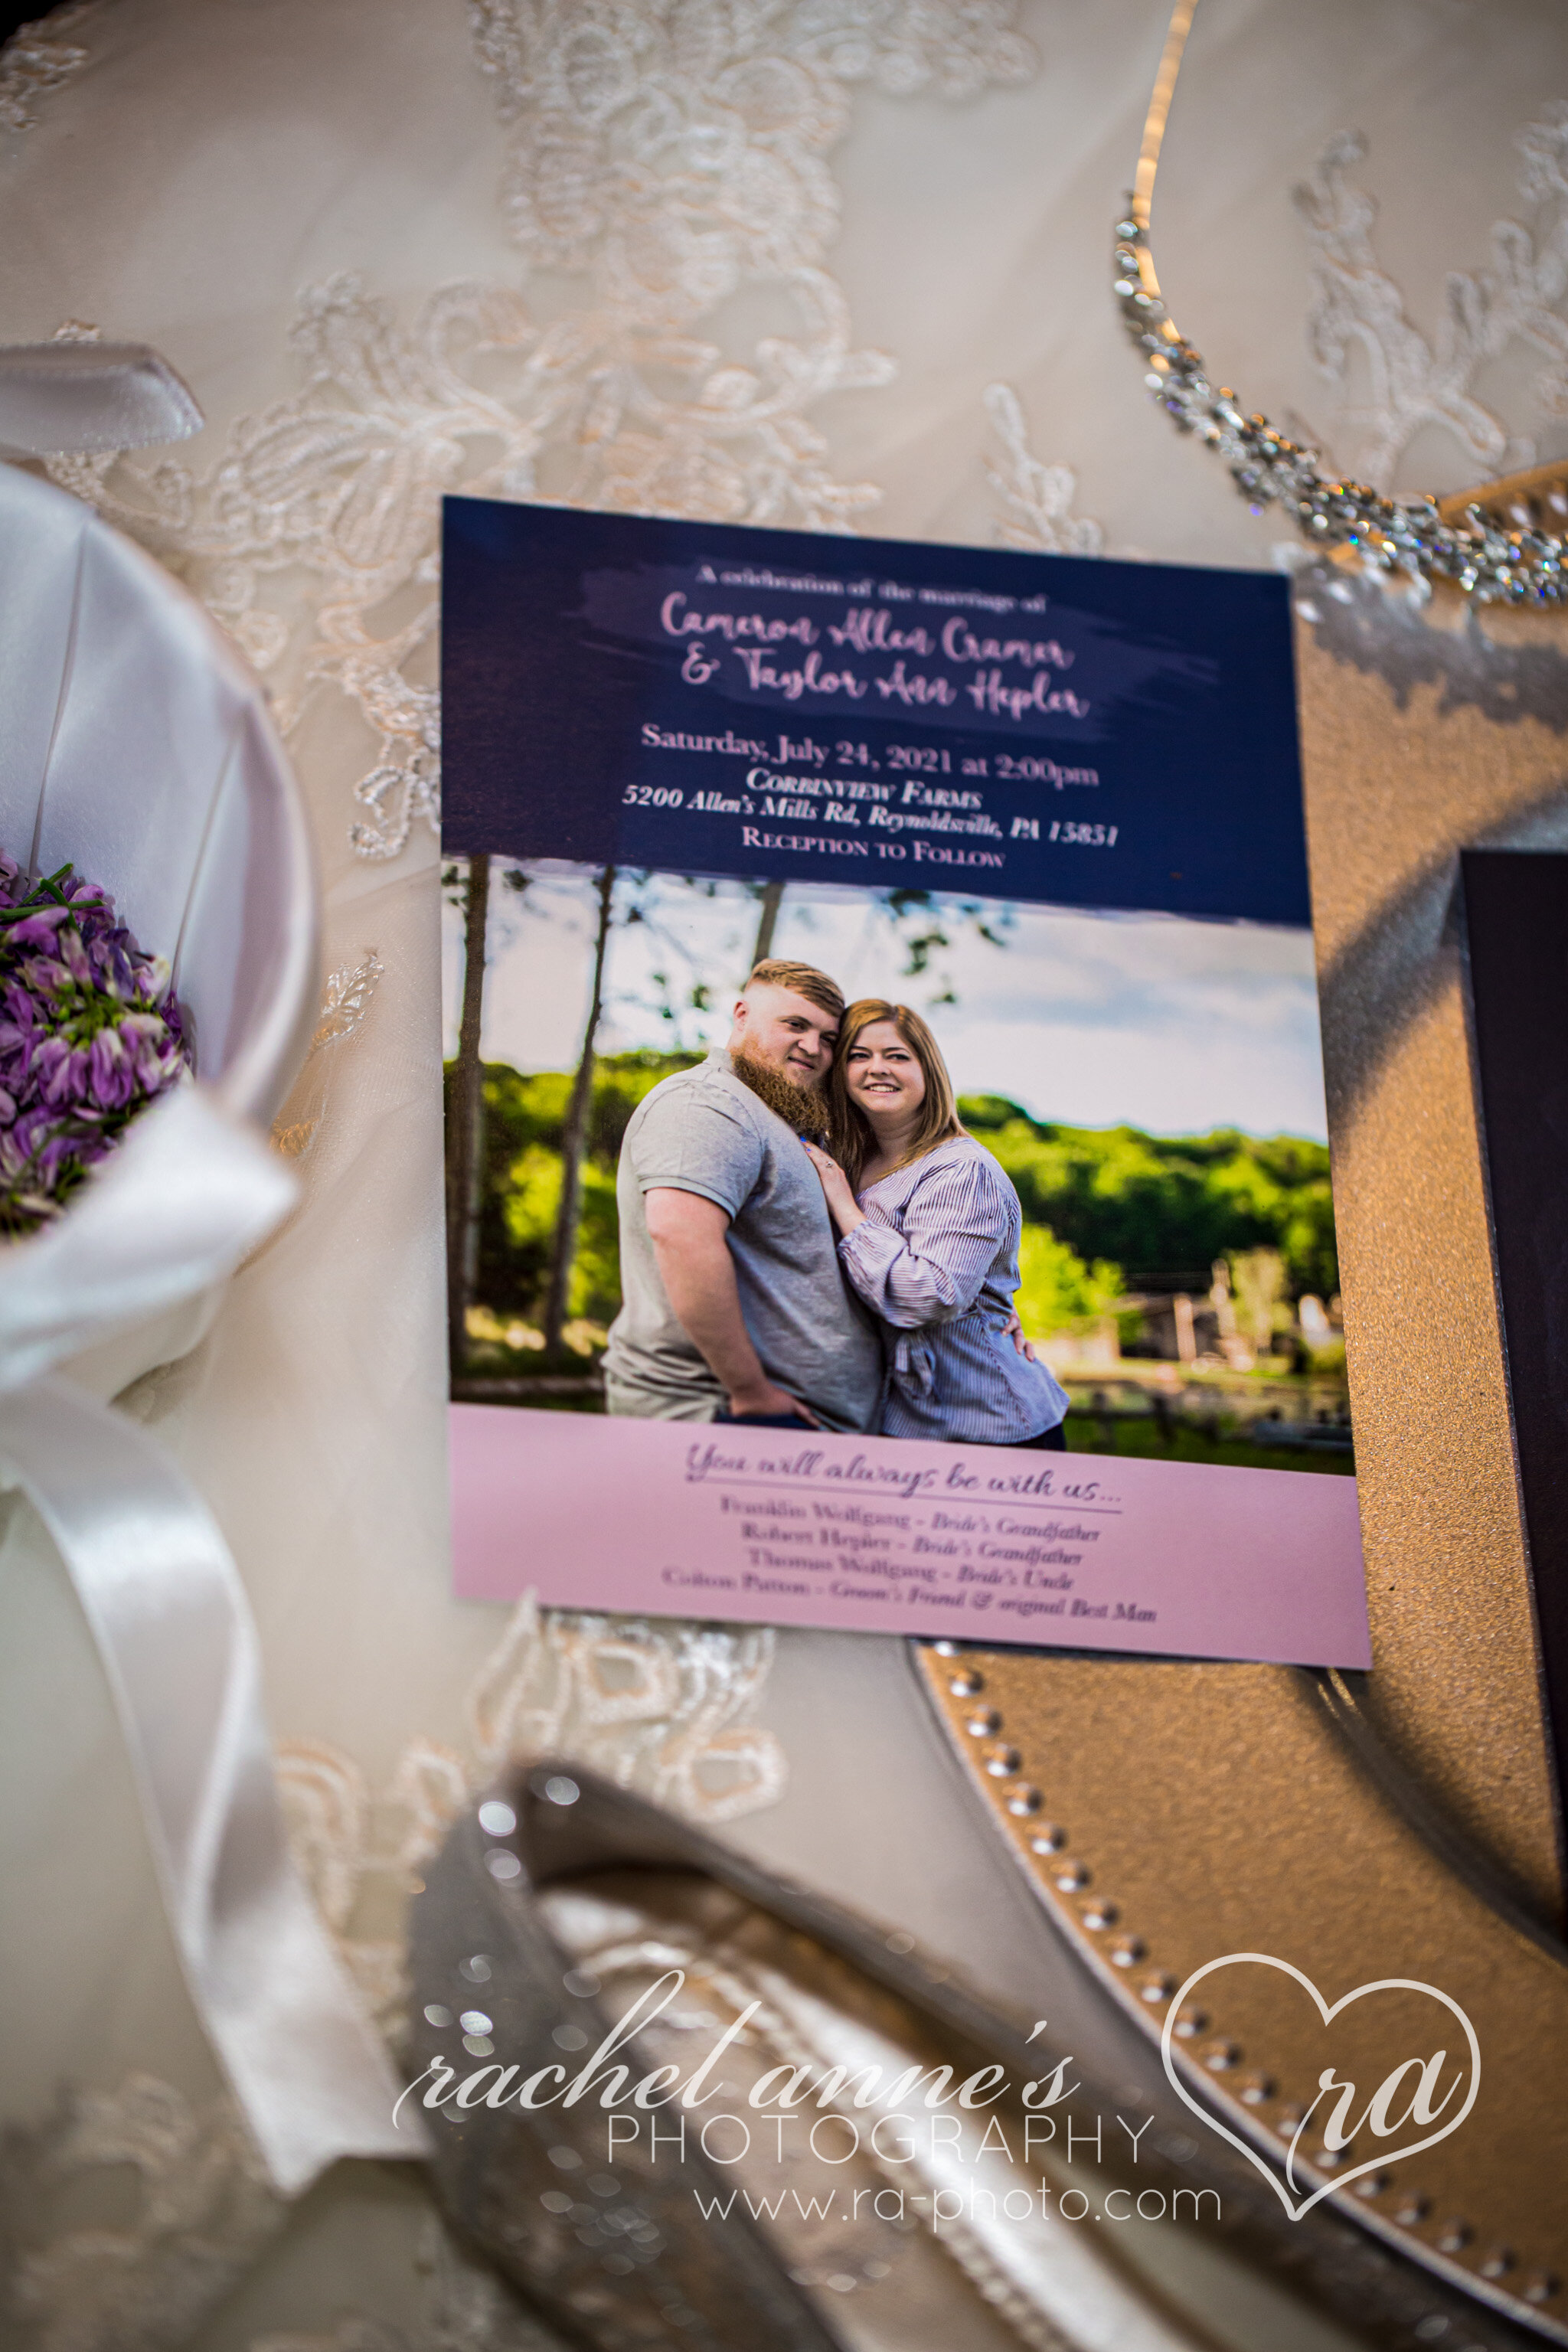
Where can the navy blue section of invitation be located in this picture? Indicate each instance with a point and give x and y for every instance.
(711, 698)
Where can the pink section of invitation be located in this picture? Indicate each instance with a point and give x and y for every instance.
(878, 1535)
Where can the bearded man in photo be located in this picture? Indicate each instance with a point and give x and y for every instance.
(733, 1305)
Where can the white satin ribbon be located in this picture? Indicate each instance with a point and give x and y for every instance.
(190, 1192)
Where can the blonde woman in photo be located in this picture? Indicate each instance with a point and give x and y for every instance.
(929, 1225)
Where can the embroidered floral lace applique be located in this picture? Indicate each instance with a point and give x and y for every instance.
(201, 2213)
(1516, 298)
(345, 1001)
(671, 159)
(656, 1707)
(1033, 502)
(38, 59)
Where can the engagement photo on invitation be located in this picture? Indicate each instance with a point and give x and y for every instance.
(879, 1007)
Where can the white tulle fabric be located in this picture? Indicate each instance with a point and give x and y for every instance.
(749, 258)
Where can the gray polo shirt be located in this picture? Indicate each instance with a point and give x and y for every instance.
(703, 1132)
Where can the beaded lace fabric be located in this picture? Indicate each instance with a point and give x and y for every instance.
(1517, 559)
(662, 160)
(828, 264)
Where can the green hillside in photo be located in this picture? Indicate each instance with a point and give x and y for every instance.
(1103, 1208)
(1114, 1219)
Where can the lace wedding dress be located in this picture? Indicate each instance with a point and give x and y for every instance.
(833, 264)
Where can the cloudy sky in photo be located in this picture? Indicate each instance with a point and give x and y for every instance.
(1093, 1019)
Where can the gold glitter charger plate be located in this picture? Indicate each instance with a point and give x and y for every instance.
(1401, 1823)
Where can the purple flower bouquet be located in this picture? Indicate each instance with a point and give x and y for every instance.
(90, 1032)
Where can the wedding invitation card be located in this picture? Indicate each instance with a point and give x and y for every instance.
(888, 1185)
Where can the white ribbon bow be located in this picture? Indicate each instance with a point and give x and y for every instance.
(188, 1194)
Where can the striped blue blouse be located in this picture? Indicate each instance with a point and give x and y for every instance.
(937, 1262)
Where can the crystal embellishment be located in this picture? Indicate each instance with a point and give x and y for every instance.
(1403, 535)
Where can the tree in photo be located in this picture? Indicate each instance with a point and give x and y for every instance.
(1057, 1291)
(914, 918)
(466, 1111)
(575, 1132)
(1258, 1286)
